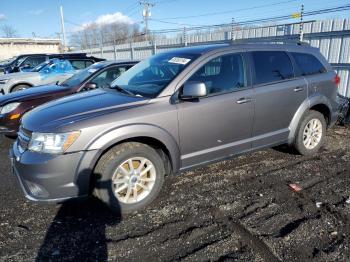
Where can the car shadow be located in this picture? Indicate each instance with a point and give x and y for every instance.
(78, 231)
(286, 149)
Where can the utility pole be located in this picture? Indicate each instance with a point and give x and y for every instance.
(301, 26)
(233, 37)
(146, 13)
(64, 43)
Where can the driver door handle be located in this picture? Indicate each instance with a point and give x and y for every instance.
(244, 100)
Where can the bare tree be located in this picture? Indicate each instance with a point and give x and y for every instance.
(95, 35)
(8, 31)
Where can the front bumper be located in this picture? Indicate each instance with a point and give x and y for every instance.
(52, 178)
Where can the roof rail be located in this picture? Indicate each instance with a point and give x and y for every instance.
(267, 42)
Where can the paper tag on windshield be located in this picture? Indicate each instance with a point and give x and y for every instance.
(179, 60)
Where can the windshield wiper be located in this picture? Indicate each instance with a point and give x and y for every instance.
(120, 89)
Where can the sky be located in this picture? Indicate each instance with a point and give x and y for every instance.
(42, 17)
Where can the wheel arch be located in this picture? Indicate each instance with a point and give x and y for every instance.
(153, 136)
(18, 84)
(318, 103)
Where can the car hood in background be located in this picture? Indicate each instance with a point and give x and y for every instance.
(78, 107)
(32, 93)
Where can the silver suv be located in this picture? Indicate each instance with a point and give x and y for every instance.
(173, 112)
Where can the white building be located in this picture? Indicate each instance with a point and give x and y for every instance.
(10, 47)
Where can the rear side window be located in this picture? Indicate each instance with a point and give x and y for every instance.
(78, 64)
(271, 66)
(308, 64)
(88, 63)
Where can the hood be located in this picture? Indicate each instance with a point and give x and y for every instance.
(69, 110)
(20, 75)
(32, 93)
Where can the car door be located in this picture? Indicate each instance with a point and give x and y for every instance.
(219, 124)
(278, 93)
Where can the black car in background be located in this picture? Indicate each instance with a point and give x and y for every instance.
(28, 61)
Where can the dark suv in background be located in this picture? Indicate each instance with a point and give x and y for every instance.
(29, 61)
(14, 105)
(172, 112)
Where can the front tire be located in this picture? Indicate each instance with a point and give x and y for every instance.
(129, 177)
(310, 134)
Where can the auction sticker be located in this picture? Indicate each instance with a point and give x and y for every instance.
(179, 60)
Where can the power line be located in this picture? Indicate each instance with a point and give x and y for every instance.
(263, 20)
(228, 11)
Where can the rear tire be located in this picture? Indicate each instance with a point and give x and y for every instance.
(129, 177)
(19, 88)
(310, 134)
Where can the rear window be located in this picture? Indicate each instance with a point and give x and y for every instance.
(271, 66)
(308, 64)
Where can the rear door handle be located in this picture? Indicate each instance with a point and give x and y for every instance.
(244, 100)
(298, 89)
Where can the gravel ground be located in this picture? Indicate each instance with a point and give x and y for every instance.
(242, 209)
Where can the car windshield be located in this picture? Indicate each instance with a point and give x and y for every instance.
(80, 77)
(151, 76)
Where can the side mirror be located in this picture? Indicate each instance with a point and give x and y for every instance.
(193, 90)
(90, 86)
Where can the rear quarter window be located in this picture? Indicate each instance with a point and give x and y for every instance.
(271, 66)
(308, 64)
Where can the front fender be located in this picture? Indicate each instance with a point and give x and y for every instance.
(117, 135)
(317, 99)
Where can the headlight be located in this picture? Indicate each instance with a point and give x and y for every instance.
(4, 81)
(52, 143)
(9, 107)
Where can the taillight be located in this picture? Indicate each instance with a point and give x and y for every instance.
(337, 80)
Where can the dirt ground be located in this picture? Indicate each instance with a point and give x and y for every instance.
(237, 210)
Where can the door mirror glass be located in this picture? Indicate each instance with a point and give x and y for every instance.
(193, 90)
(90, 86)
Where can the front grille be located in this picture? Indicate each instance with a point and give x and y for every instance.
(24, 137)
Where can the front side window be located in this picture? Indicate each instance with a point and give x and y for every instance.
(271, 66)
(105, 78)
(222, 74)
(308, 64)
(150, 77)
